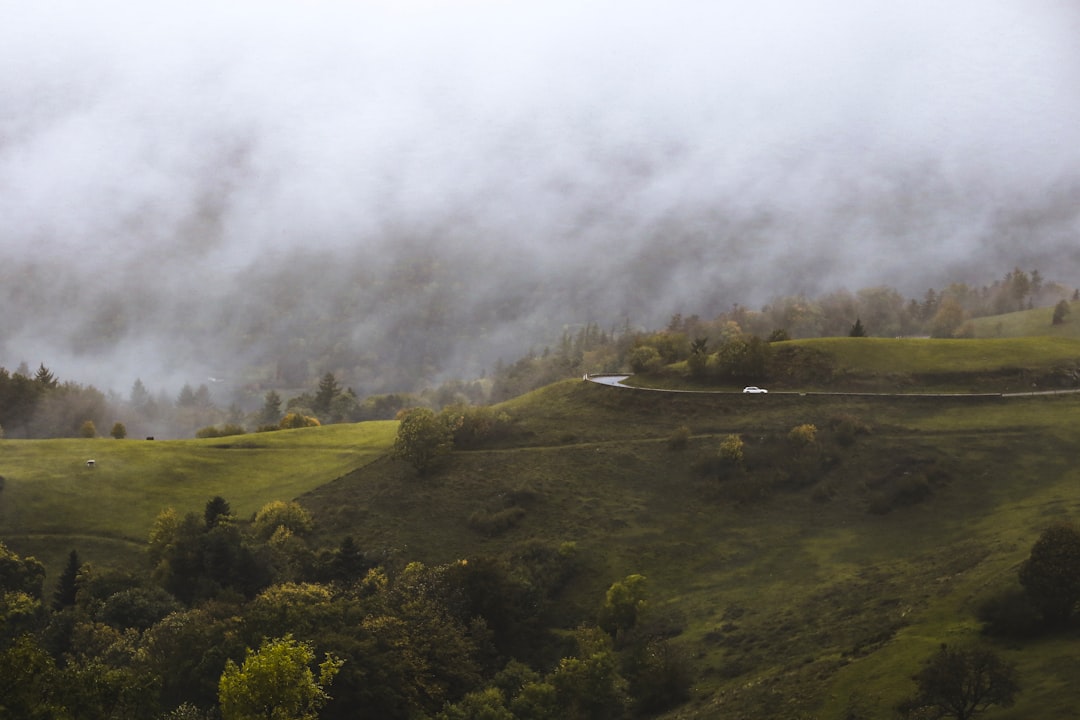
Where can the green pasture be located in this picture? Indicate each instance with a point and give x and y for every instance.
(1029, 323)
(51, 501)
(924, 356)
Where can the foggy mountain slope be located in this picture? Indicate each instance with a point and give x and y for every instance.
(433, 186)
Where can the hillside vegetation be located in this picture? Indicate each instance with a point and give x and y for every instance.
(795, 590)
(809, 577)
(51, 501)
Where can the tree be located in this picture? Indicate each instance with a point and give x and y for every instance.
(961, 683)
(1060, 311)
(271, 409)
(87, 429)
(186, 398)
(66, 586)
(324, 396)
(276, 683)
(140, 396)
(948, 319)
(857, 330)
(623, 604)
(1051, 574)
(217, 511)
(277, 514)
(45, 378)
(18, 574)
(119, 431)
(422, 438)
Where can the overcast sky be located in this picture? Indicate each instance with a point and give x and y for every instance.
(754, 148)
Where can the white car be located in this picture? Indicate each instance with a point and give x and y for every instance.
(754, 390)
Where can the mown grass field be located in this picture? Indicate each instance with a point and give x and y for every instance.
(52, 502)
(793, 594)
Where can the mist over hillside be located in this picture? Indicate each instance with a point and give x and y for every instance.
(420, 189)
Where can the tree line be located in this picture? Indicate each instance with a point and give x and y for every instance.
(732, 345)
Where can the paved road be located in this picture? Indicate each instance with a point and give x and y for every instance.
(617, 380)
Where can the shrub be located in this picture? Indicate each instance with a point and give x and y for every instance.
(475, 425)
(731, 449)
(496, 523)
(659, 676)
(87, 429)
(803, 436)
(295, 420)
(679, 439)
(1009, 614)
(846, 428)
(118, 431)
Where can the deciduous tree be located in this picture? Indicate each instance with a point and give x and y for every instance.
(276, 682)
(422, 438)
(961, 683)
(1051, 574)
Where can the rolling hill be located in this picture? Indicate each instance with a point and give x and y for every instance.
(810, 581)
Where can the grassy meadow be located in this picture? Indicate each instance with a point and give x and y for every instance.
(52, 502)
(809, 583)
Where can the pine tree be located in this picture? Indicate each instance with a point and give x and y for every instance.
(857, 330)
(324, 397)
(67, 586)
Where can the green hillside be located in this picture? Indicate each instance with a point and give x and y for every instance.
(809, 581)
(1029, 323)
(51, 501)
(924, 356)
(794, 591)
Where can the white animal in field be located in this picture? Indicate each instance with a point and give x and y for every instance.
(90, 463)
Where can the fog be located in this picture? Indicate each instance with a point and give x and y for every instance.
(186, 191)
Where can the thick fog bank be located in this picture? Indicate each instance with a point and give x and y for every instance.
(192, 190)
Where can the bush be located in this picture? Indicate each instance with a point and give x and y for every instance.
(225, 430)
(659, 676)
(118, 431)
(87, 429)
(496, 523)
(296, 420)
(679, 439)
(731, 449)
(1008, 614)
(474, 426)
(846, 428)
(803, 436)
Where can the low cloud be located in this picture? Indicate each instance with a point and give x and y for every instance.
(165, 171)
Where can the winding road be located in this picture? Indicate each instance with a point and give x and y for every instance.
(618, 380)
